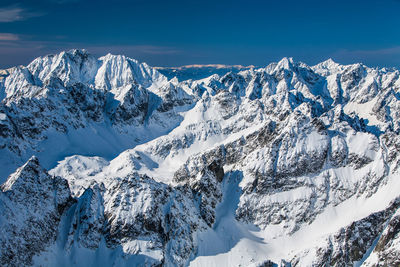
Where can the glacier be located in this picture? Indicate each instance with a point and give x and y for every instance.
(106, 161)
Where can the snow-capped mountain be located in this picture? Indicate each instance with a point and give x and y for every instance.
(73, 103)
(289, 165)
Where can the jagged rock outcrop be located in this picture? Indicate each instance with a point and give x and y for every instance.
(32, 203)
(353, 244)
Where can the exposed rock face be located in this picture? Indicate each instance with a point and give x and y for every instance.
(151, 222)
(122, 213)
(353, 243)
(32, 203)
(285, 164)
(387, 251)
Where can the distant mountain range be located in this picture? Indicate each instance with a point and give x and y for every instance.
(196, 72)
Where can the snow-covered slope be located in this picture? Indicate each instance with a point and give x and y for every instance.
(287, 164)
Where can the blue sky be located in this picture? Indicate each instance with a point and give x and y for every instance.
(174, 33)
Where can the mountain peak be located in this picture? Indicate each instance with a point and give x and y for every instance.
(29, 173)
(118, 70)
(118, 57)
(285, 63)
(328, 63)
(73, 53)
(77, 51)
(327, 67)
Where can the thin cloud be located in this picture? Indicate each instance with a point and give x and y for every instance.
(16, 13)
(8, 37)
(156, 50)
(58, 43)
(390, 51)
(135, 49)
(388, 57)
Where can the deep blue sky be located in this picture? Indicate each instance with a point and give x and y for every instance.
(173, 33)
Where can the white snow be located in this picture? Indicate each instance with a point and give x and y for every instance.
(364, 111)
(231, 243)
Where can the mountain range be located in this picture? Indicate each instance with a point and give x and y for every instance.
(108, 162)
